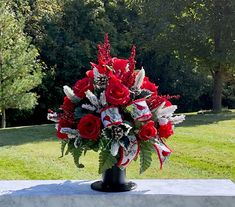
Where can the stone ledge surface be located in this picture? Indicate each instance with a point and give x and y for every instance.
(149, 193)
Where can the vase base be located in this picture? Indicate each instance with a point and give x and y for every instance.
(100, 186)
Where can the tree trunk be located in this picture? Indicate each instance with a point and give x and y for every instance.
(3, 122)
(217, 90)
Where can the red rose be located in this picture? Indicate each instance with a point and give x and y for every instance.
(82, 86)
(119, 66)
(147, 131)
(65, 121)
(147, 84)
(89, 127)
(116, 93)
(165, 130)
(155, 101)
(68, 105)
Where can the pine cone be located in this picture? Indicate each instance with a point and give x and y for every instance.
(117, 132)
(101, 82)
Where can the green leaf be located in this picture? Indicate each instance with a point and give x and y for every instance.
(145, 156)
(104, 143)
(76, 153)
(90, 144)
(63, 145)
(78, 113)
(106, 161)
(67, 151)
(130, 108)
(138, 124)
(70, 146)
(107, 133)
(144, 94)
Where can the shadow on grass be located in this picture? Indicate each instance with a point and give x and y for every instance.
(204, 119)
(27, 134)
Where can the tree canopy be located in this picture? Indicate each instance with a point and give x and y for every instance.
(200, 32)
(20, 70)
(187, 47)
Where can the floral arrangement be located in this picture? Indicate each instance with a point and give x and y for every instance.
(117, 111)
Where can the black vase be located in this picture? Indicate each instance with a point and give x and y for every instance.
(113, 181)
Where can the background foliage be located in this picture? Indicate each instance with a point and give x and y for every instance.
(175, 43)
(20, 70)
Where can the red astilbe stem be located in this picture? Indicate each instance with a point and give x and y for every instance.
(129, 77)
(132, 59)
(104, 52)
(168, 97)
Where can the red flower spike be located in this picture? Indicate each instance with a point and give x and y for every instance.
(132, 59)
(129, 77)
(171, 97)
(50, 111)
(104, 51)
(68, 106)
(155, 101)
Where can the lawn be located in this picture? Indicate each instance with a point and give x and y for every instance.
(204, 147)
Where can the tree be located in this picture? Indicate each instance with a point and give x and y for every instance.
(124, 17)
(20, 71)
(201, 32)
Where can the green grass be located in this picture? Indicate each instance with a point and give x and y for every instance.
(204, 147)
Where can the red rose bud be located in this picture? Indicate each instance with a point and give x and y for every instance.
(139, 110)
(148, 85)
(50, 111)
(90, 74)
(110, 116)
(66, 120)
(116, 93)
(89, 127)
(147, 131)
(82, 86)
(104, 51)
(165, 130)
(61, 135)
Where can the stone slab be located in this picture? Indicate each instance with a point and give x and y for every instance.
(149, 193)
